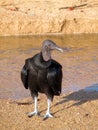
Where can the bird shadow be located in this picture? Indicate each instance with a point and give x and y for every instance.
(80, 97)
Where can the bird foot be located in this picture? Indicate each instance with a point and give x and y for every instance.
(35, 113)
(48, 115)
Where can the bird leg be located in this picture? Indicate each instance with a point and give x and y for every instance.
(48, 114)
(35, 112)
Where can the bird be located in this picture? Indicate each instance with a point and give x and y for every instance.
(42, 74)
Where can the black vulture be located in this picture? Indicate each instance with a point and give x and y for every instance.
(43, 74)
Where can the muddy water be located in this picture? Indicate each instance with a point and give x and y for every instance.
(80, 62)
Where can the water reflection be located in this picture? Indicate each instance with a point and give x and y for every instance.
(80, 62)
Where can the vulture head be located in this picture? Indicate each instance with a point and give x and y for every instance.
(47, 47)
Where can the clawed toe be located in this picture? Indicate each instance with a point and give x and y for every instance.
(47, 116)
(33, 114)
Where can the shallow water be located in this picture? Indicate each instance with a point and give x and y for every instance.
(80, 62)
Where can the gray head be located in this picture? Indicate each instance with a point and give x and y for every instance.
(47, 47)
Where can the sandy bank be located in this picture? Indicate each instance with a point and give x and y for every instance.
(74, 111)
(27, 17)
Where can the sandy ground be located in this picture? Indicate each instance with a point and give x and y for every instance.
(74, 111)
(27, 17)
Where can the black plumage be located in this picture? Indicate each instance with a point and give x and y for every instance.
(43, 74)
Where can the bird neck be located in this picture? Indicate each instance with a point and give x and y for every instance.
(46, 54)
(40, 63)
(43, 60)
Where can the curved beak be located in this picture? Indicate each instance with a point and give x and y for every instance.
(59, 49)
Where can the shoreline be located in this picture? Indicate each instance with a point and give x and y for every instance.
(47, 34)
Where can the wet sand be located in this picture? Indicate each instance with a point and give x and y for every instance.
(75, 109)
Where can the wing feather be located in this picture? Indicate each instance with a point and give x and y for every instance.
(24, 76)
(54, 78)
